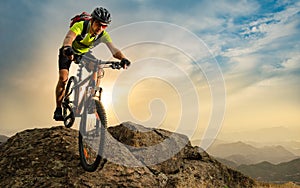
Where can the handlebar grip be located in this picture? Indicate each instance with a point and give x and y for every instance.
(77, 59)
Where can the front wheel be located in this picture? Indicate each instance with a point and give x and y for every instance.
(68, 103)
(92, 135)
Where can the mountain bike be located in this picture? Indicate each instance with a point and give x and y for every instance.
(82, 99)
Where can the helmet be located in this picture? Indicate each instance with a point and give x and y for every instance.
(102, 15)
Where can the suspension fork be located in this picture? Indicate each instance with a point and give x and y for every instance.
(98, 73)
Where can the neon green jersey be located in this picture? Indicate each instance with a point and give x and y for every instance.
(87, 42)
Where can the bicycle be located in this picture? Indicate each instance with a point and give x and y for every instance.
(89, 109)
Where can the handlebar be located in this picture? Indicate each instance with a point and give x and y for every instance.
(105, 64)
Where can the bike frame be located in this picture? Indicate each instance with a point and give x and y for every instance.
(93, 81)
(79, 102)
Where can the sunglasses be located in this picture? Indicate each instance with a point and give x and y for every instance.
(101, 25)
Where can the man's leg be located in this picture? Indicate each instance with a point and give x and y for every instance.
(60, 88)
(60, 91)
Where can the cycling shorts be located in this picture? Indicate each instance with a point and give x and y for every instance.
(63, 61)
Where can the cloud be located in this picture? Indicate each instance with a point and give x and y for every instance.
(264, 47)
(266, 30)
(287, 66)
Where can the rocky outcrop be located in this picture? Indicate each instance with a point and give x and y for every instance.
(3, 139)
(49, 158)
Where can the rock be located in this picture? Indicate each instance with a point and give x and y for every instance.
(3, 139)
(136, 157)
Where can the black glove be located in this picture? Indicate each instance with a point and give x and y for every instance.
(124, 62)
(68, 51)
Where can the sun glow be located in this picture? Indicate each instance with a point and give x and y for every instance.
(106, 98)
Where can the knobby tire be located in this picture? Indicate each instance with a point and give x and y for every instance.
(68, 111)
(97, 144)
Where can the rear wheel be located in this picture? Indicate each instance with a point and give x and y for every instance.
(68, 103)
(92, 135)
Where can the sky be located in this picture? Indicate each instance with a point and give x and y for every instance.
(214, 68)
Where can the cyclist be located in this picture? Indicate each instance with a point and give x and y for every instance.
(72, 49)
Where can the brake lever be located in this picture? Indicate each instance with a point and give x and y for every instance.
(116, 66)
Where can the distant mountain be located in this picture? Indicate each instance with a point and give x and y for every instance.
(281, 173)
(241, 153)
(264, 135)
(241, 159)
(292, 146)
(227, 163)
(297, 151)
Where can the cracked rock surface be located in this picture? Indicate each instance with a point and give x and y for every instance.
(136, 157)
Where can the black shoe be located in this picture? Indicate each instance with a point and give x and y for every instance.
(58, 115)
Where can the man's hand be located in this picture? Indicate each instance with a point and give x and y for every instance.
(69, 52)
(125, 63)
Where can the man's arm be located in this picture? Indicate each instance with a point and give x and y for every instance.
(115, 51)
(118, 54)
(70, 37)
